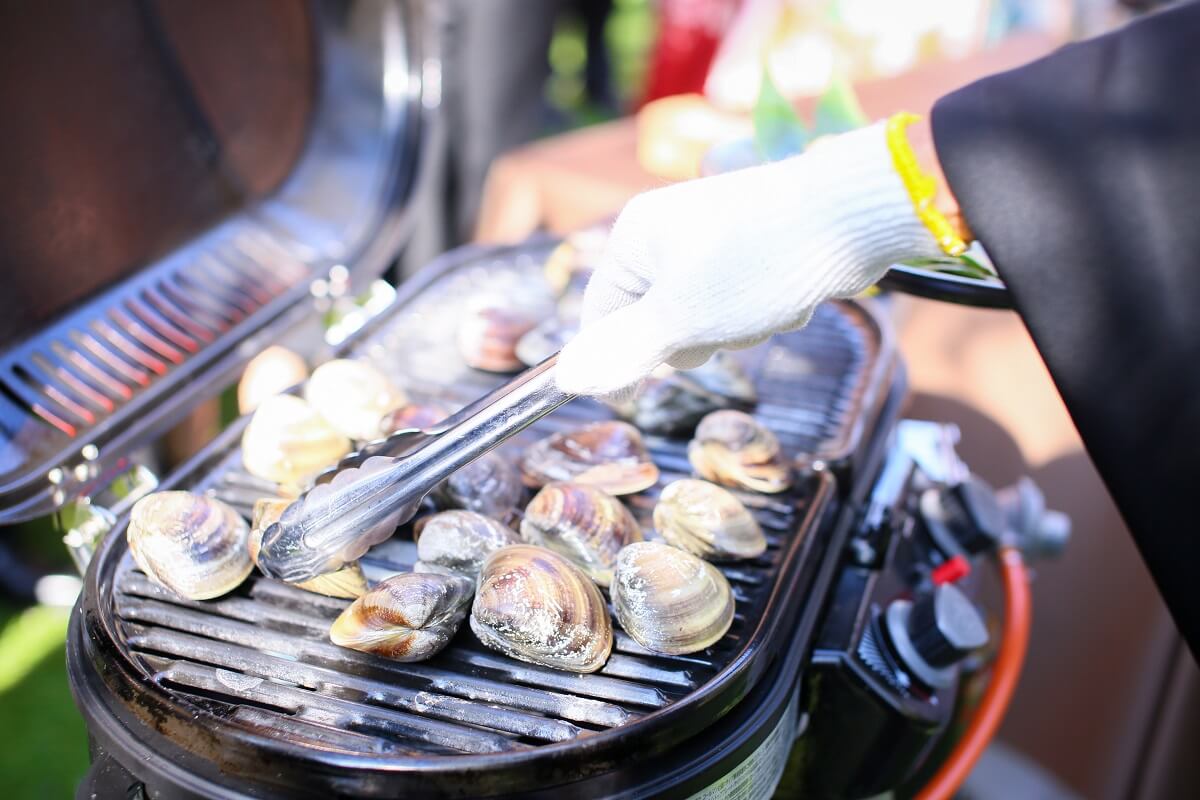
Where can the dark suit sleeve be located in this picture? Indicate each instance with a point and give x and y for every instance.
(1080, 174)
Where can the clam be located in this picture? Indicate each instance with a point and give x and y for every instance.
(609, 455)
(535, 605)
(488, 336)
(731, 448)
(457, 542)
(545, 340)
(582, 523)
(288, 442)
(408, 617)
(353, 396)
(707, 521)
(673, 404)
(191, 544)
(669, 600)
(348, 582)
(490, 485)
(412, 416)
(269, 373)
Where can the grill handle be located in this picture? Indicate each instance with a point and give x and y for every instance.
(336, 523)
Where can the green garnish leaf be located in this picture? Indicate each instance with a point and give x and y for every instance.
(778, 130)
(838, 109)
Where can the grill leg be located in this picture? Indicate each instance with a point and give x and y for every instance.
(106, 778)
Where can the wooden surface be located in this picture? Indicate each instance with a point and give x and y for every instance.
(1101, 637)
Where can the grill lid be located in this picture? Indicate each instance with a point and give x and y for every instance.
(212, 280)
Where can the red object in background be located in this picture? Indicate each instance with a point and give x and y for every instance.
(689, 32)
(951, 571)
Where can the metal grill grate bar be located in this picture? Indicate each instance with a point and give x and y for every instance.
(252, 662)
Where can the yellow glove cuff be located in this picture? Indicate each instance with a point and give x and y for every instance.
(922, 187)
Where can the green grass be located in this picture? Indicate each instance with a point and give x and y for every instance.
(43, 742)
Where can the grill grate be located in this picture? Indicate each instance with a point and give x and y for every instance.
(259, 660)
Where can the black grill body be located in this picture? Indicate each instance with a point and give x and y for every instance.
(245, 695)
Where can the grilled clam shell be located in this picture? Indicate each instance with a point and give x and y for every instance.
(609, 455)
(193, 545)
(416, 416)
(707, 521)
(269, 373)
(731, 448)
(675, 403)
(353, 396)
(348, 582)
(457, 542)
(488, 336)
(545, 340)
(408, 617)
(670, 601)
(582, 523)
(288, 442)
(489, 485)
(537, 606)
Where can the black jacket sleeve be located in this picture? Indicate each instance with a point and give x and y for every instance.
(1080, 174)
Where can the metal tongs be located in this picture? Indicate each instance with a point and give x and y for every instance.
(361, 501)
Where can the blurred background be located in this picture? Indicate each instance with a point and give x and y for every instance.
(554, 113)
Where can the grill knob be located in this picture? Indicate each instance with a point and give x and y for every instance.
(944, 627)
(935, 632)
(964, 518)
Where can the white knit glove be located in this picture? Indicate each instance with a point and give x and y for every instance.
(729, 260)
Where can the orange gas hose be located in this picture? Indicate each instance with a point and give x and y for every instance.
(1018, 612)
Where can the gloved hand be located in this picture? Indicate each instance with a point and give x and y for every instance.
(724, 262)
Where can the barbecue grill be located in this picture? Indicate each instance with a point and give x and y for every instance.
(840, 661)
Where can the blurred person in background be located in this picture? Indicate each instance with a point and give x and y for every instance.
(1080, 175)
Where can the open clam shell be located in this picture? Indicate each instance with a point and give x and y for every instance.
(192, 544)
(352, 396)
(458, 542)
(609, 455)
(408, 617)
(489, 485)
(535, 605)
(733, 449)
(488, 336)
(669, 600)
(347, 583)
(707, 521)
(288, 442)
(582, 523)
